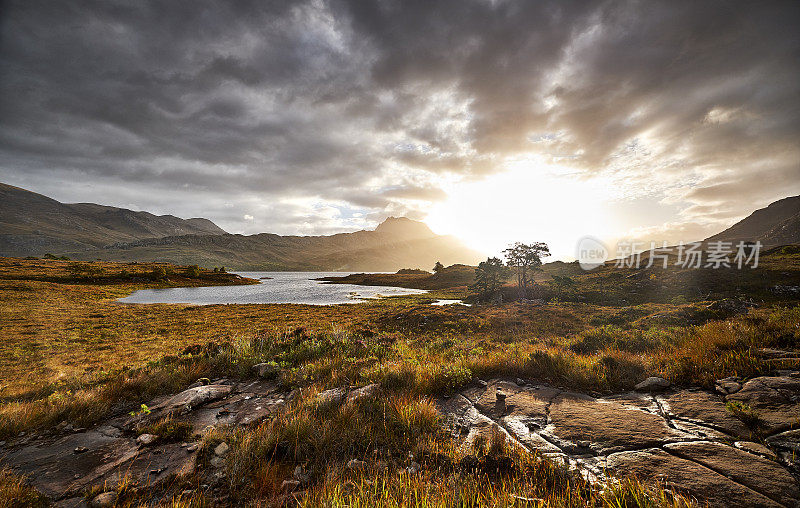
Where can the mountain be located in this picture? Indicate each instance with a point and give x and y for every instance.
(396, 243)
(777, 224)
(32, 224)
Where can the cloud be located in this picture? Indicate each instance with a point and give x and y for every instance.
(366, 106)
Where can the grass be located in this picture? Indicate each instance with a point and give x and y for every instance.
(71, 353)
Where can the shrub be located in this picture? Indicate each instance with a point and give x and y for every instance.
(192, 271)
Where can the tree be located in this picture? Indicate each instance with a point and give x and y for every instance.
(438, 267)
(524, 259)
(489, 276)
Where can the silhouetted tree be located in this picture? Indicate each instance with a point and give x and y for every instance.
(524, 259)
(489, 276)
(437, 267)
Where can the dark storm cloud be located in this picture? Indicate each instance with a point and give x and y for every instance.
(349, 101)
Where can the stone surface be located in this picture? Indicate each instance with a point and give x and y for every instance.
(705, 408)
(197, 396)
(365, 392)
(146, 439)
(761, 475)
(756, 448)
(682, 438)
(333, 396)
(221, 449)
(776, 400)
(687, 476)
(266, 370)
(607, 426)
(104, 500)
(652, 384)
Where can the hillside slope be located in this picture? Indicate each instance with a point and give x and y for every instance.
(394, 244)
(32, 224)
(777, 224)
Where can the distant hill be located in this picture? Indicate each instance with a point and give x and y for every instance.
(777, 224)
(32, 224)
(396, 243)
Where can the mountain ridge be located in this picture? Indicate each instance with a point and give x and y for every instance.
(776, 224)
(32, 224)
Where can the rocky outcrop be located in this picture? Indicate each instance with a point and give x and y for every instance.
(685, 439)
(66, 465)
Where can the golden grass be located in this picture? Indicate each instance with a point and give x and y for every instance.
(70, 353)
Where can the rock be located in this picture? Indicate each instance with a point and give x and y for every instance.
(356, 465)
(656, 465)
(727, 387)
(203, 381)
(109, 431)
(731, 306)
(300, 475)
(217, 461)
(609, 426)
(761, 475)
(146, 439)
(756, 448)
(500, 403)
(221, 449)
(652, 384)
(703, 408)
(331, 397)
(104, 500)
(789, 441)
(266, 370)
(775, 400)
(290, 485)
(193, 397)
(365, 392)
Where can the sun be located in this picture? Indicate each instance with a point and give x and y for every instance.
(530, 201)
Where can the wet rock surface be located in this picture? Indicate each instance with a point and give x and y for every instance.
(114, 453)
(685, 439)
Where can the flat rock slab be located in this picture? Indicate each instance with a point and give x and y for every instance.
(194, 397)
(706, 409)
(683, 439)
(606, 425)
(686, 476)
(56, 470)
(62, 468)
(762, 475)
(776, 401)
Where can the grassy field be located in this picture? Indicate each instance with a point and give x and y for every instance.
(71, 353)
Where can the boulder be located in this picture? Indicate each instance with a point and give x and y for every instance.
(104, 500)
(221, 449)
(266, 370)
(365, 392)
(146, 439)
(193, 397)
(653, 384)
(331, 397)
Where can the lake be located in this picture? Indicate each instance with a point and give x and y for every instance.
(281, 287)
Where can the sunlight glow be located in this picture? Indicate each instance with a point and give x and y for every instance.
(531, 201)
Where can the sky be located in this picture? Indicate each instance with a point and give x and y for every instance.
(493, 120)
